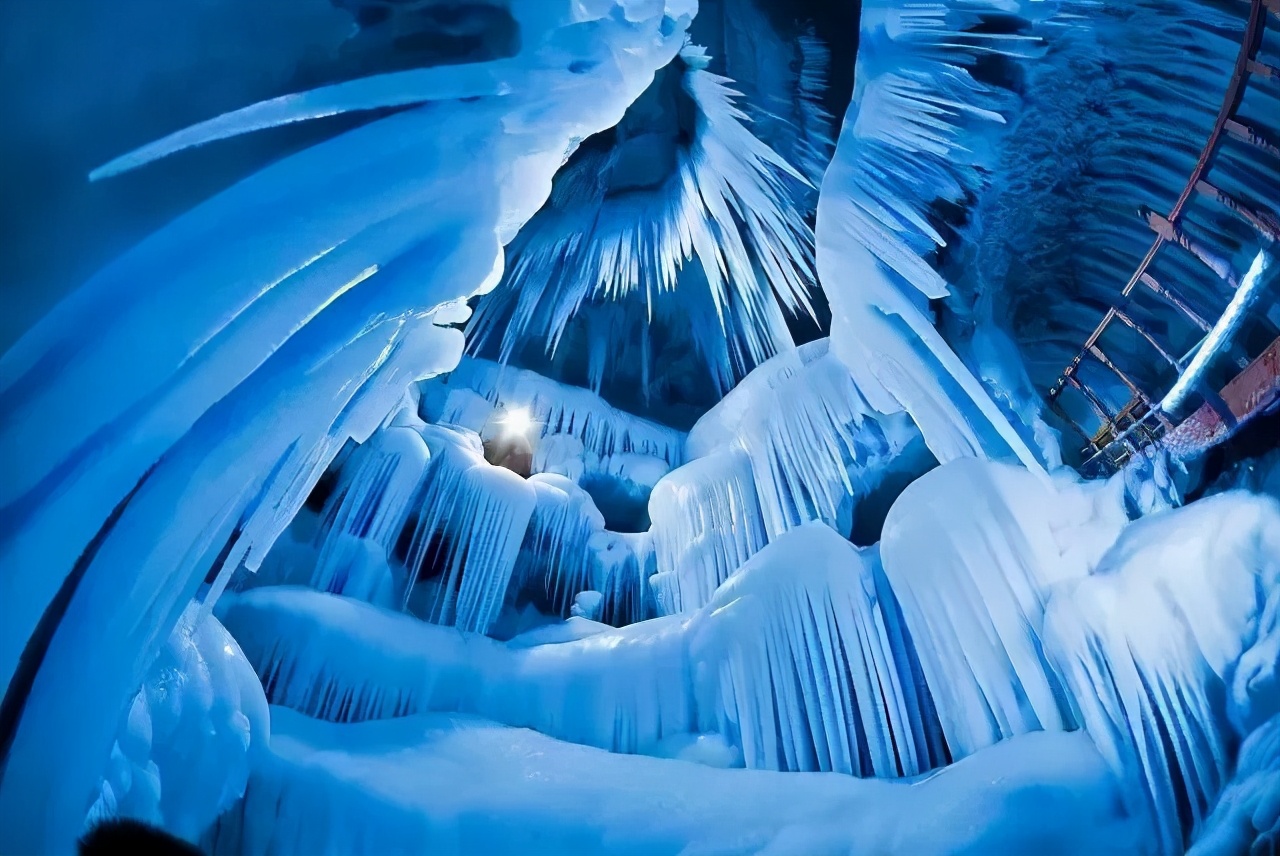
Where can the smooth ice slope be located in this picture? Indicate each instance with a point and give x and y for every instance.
(452, 784)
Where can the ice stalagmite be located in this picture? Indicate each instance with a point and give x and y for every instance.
(190, 736)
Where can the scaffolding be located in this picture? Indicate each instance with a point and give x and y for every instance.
(1149, 418)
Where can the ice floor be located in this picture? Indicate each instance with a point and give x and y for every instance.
(455, 784)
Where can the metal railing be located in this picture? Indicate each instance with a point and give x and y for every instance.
(1141, 421)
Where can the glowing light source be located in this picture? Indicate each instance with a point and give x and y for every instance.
(1219, 337)
(516, 421)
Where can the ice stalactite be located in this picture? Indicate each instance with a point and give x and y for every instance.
(417, 518)
(468, 528)
(624, 225)
(814, 443)
(558, 409)
(190, 736)
(706, 523)
(1169, 650)
(795, 441)
(814, 665)
(913, 134)
(364, 516)
(972, 551)
(251, 337)
(627, 562)
(556, 560)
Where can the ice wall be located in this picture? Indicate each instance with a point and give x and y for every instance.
(250, 338)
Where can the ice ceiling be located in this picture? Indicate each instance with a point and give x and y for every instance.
(615, 426)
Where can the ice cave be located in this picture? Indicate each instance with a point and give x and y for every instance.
(640, 427)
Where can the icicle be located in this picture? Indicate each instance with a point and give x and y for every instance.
(557, 560)
(815, 670)
(470, 523)
(795, 441)
(627, 561)
(1155, 641)
(366, 512)
(729, 202)
(706, 523)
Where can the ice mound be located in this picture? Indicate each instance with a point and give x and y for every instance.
(189, 737)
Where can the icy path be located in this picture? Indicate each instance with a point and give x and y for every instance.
(446, 784)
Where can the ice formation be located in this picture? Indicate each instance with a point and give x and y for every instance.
(796, 441)
(619, 225)
(848, 609)
(558, 409)
(190, 736)
(908, 140)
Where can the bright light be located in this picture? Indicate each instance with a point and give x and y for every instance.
(517, 421)
(1219, 337)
